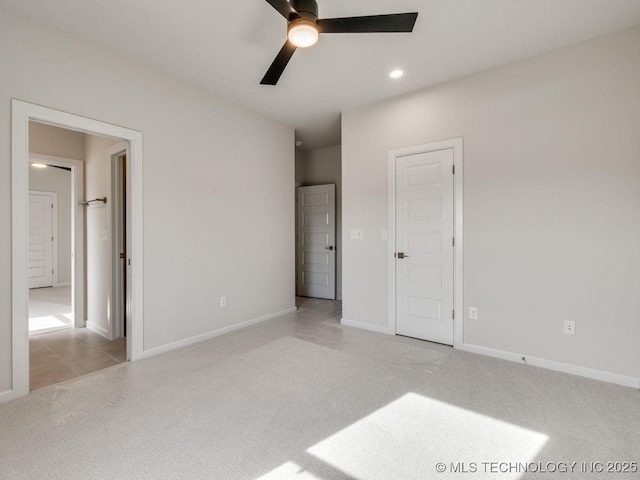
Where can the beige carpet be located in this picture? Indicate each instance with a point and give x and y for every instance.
(382, 408)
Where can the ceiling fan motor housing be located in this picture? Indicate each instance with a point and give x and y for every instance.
(307, 9)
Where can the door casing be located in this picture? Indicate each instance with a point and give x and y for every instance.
(21, 113)
(119, 298)
(327, 248)
(458, 287)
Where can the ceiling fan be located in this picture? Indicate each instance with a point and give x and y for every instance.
(305, 26)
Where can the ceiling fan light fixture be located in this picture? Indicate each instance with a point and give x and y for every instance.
(303, 33)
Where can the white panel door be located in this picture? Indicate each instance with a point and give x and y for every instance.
(316, 239)
(424, 237)
(40, 241)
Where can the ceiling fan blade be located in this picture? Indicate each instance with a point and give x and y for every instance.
(396, 22)
(285, 9)
(279, 64)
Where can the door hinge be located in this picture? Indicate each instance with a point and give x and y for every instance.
(52, 239)
(453, 314)
(453, 169)
(453, 241)
(52, 271)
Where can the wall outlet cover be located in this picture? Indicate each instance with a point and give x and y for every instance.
(569, 327)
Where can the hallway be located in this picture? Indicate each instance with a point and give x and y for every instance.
(59, 356)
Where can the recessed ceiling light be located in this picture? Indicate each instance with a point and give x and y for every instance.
(396, 73)
(38, 165)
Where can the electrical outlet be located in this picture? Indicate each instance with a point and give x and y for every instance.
(223, 302)
(473, 313)
(569, 327)
(356, 235)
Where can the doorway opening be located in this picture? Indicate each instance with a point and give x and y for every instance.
(318, 252)
(92, 210)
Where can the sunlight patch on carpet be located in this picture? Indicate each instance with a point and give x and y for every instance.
(410, 436)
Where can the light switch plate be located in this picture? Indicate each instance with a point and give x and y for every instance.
(356, 235)
(385, 234)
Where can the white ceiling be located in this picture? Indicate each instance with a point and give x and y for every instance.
(226, 46)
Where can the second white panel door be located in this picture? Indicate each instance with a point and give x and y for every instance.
(40, 240)
(316, 239)
(424, 242)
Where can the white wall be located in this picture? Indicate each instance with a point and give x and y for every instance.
(53, 179)
(98, 249)
(57, 142)
(319, 167)
(552, 188)
(210, 194)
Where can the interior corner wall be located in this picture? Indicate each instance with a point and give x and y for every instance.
(208, 192)
(319, 167)
(551, 195)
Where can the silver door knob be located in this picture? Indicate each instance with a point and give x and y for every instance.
(328, 248)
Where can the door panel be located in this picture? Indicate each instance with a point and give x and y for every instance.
(40, 241)
(316, 239)
(424, 233)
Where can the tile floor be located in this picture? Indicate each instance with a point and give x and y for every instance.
(59, 356)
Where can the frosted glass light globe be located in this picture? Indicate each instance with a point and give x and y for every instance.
(303, 33)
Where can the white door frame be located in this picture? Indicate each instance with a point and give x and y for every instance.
(118, 300)
(300, 240)
(458, 283)
(54, 232)
(77, 231)
(21, 113)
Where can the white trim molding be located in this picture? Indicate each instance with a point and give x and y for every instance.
(458, 251)
(21, 114)
(152, 352)
(103, 332)
(6, 396)
(553, 365)
(367, 326)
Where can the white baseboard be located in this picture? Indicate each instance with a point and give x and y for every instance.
(152, 352)
(366, 326)
(6, 396)
(553, 365)
(99, 330)
(63, 284)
